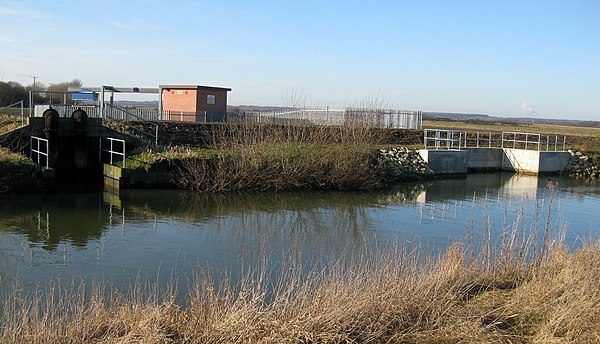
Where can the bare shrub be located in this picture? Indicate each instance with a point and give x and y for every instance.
(264, 157)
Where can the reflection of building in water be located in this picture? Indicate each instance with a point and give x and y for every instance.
(477, 185)
(51, 219)
(519, 185)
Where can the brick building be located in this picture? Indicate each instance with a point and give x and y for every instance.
(193, 103)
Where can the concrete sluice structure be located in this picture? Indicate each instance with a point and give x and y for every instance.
(457, 158)
(68, 149)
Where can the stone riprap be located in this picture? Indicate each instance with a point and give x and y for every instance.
(581, 166)
(402, 163)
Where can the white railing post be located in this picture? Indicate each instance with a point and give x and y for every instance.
(111, 151)
(35, 142)
(47, 154)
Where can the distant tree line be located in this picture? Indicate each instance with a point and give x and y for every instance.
(12, 92)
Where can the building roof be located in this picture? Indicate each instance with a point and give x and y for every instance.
(195, 87)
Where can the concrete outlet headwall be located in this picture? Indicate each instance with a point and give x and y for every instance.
(500, 159)
(445, 161)
(484, 158)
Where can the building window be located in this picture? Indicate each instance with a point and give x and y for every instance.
(210, 99)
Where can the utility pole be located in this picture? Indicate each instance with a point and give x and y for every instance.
(32, 97)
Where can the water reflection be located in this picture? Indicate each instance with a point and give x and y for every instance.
(50, 219)
(102, 235)
(79, 218)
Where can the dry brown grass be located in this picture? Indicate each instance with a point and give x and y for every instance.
(391, 295)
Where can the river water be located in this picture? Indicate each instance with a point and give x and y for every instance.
(162, 235)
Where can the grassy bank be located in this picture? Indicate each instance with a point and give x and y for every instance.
(258, 157)
(16, 171)
(392, 295)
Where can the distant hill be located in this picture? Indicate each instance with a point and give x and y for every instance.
(481, 118)
(454, 116)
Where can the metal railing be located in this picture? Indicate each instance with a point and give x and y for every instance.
(120, 113)
(11, 117)
(458, 139)
(66, 110)
(126, 115)
(378, 118)
(480, 139)
(38, 149)
(537, 141)
(115, 147)
(443, 138)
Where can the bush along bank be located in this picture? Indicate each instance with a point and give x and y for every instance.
(582, 166)
(279, 167)
(17, 173)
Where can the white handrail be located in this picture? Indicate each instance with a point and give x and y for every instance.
(458, 139)
(111, 149)
(41, 149)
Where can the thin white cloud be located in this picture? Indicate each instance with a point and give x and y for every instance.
(22, 13)
(527, 107)
(124, 26)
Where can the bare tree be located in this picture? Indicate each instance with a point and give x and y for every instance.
(373, 101)
(293, 99)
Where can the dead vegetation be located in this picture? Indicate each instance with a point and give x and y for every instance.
(258, 157)
(395, 295)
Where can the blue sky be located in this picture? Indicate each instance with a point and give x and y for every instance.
(504, 58)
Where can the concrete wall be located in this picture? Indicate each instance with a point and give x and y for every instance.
(500, 159)
(445, 161)
(520, 160)
(484, 158)
(553, 162)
